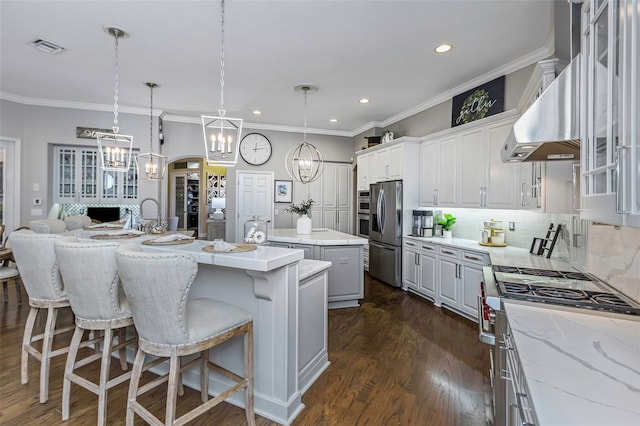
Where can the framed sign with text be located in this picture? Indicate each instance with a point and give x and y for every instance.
(89, 132)
(479, 102)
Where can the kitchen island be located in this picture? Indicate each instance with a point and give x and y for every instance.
(270, 284)
(344, 251)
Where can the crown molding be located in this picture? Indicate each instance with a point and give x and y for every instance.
(75, 105)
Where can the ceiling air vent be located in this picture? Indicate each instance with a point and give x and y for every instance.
(47, 47)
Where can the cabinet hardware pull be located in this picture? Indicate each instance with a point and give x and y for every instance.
(471, 257)
(447, 252)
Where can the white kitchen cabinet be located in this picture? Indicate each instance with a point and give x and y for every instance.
(428, 270)
(463, 168)
(387, 164)
(610, 161)
(78, 178)
(419, 267)
(438, 175)
(332, 194)
(448, 276)
(364, 171)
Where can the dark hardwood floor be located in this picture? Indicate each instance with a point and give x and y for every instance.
(395, 360)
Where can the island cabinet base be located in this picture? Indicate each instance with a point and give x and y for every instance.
(313, 356)
(272, 299)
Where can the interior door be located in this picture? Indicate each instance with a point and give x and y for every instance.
(178, 203)
(255, 198)
(9, 184)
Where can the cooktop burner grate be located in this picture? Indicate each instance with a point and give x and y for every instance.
(560, 293)
(550, 273)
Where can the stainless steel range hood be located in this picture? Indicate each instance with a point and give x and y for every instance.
(549, 129)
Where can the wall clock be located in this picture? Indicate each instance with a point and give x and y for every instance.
(255, 149)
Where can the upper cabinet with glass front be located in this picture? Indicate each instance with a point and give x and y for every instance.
(610, 48)
(79, 179)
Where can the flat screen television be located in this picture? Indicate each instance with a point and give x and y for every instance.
(104, 214)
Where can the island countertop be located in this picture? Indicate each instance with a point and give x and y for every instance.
(581, 369)
(263, 259)
(318, 237)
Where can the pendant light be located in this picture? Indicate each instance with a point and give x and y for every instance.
(304, 162)
(115, 148)
(151, 166)
(221, 133)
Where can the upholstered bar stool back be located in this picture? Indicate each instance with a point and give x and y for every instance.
(76, 222)
(35, 258)
(172, 325)
(91, 280)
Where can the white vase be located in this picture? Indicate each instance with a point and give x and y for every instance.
(303, 225)
(447, 235)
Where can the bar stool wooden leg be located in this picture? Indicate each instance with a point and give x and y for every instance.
(104, 376)
(204, 376)
(26, 342)
(18, 283)
(136, 372)
(5, 291)
(172, 388)
(122, 337)
(45, 362)
(68, 370)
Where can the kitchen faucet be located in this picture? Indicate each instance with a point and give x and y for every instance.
(158, 219)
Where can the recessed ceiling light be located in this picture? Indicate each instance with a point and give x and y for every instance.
(364, 101)
(443, 48)
(257, 112)
(333, 120)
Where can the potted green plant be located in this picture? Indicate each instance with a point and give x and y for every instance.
(303, 225)
(447, 222)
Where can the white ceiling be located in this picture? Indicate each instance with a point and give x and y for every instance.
(382, 50)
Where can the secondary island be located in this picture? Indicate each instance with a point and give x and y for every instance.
(344, 251)
(287, 297)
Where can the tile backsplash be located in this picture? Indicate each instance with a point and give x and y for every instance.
(527, 226)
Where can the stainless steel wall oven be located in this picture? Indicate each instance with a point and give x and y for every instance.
(364, 201)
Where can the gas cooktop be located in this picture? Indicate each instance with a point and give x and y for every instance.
(565, 288)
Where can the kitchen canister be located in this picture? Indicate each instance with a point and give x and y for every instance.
(255, 231)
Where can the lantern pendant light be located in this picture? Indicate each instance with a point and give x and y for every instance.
(151, 166)
(304, 162)
(221, 133)
(115, 148)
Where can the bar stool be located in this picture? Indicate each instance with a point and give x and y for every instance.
(171, 325)
(36, 260)
(91, 280)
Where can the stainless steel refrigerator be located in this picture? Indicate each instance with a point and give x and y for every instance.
(385, 232)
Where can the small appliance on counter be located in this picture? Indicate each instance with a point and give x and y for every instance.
(492, 234)
(424, 222)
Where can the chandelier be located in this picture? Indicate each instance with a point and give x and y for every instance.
(151, 166)
(304, 162)
(115, 148)
(221, 133)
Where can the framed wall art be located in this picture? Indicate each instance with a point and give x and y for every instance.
(283, 191)
(479, 102)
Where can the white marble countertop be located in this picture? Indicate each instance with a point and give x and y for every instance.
(511, 256)
(581, 369)
(318, 237)
(309, 267)
(263, 259)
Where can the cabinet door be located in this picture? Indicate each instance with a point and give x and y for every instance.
(89, 173)
(429, 173)
(428, 274)
(66, 172)
(329, 185)
(448, 278)
(448, 180)
(308, 249)
(364, 162)
(472, 169)
(410, 269)
(471, 278)
(344, 220)
(394, 162)
(129, 182)
(343, 186)
(330, 219)
(346, 264)
(379, 169)
(500, 189)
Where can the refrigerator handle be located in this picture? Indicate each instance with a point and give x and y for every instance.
(380, 208)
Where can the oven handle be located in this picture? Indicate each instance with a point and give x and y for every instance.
(488, 338)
